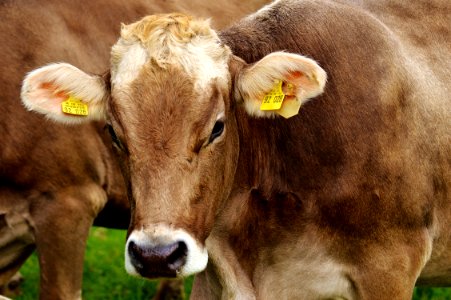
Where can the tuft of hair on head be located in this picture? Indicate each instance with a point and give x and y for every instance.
(160, 34)
(178, 27)
(169, 39)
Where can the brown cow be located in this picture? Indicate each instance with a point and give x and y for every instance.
(349, 199)
(54, 180)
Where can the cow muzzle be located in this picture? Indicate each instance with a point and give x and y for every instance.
(158, 261)
(163, 252)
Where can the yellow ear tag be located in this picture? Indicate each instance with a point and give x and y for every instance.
(74, 106)
(290, 107)
(273, 100)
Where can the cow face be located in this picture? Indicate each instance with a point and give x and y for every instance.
(171, 103)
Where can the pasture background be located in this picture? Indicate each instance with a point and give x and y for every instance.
(104, 276)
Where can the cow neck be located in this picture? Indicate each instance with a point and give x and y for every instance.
(265, 158)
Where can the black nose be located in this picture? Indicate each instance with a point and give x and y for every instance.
(158, 261)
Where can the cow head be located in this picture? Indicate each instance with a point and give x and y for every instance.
(171, 102)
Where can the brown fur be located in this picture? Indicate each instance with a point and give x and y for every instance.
(360, 177)
(63, 176)
(366, 162)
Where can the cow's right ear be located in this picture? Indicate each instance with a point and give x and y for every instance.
(66, 94)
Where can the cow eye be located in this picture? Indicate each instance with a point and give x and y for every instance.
(114, 137)
(218, 129)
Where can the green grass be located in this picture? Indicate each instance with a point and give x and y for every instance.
(432, 294)
(107, 247)
(104, 276)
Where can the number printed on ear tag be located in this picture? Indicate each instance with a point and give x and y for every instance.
(273, 100)
(74, 106)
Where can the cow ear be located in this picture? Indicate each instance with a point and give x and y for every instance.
(260, 85)
(65, 94)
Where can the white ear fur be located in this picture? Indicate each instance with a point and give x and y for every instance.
(255, 81)
(44, 89)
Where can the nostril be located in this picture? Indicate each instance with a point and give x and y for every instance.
(178, 256)
(135, 254)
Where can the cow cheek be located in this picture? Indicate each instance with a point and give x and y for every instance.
(204, 204)
(215, 185)
(225, 171)
(231, 153)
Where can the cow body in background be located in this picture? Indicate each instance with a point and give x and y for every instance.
(55, 180)
(348, 199)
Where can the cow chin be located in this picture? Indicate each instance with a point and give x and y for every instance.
(160, 251)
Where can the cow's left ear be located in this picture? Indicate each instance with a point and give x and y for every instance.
(65, 94)
(279, 83)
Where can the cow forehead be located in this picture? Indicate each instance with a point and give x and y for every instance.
(169, 40)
